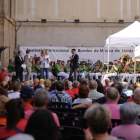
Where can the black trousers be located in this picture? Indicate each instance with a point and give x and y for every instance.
(71, 72)
(19, 75)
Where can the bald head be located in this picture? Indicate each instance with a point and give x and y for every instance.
(27, 83)
(112, 94)
(4, 69)
(136, 94)
(107, 81)
(36, 81)
(93, 84)
(75, 84)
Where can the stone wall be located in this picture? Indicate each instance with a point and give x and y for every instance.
(66, 34)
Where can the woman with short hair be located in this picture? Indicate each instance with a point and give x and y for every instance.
(45, 59)
(83, 95)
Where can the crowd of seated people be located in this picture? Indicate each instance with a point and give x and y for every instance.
(41, 108)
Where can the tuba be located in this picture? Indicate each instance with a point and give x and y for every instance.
(127, 59)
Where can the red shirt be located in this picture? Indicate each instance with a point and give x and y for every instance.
(2, 76)
(130, 99)
(70, 93)
(75, 90)
(4, 133)
(105, 88)
(27, 106)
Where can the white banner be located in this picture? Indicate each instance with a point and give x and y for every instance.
(90, 54)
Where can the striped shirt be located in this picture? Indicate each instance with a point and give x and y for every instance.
(93, 94)
(65, 98)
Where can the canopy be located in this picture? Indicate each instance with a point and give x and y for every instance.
(128, 36)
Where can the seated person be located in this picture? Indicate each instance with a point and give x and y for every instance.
(15, 118)
(93, 71)
(83, 95)
(41, 82)
(128, 93)
(98, 118)
(40, 100)
(67, 68)
(33, 71)
(75, 88)
(60, 95)
(99, 70)
(11, 67)
(111, 72)
(83, 69)
(128, 129)
(59, 70)
(47, 84)
(3, 74)
(67, 88)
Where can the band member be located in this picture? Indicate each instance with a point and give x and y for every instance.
(131, 73)
(117, 65)
(110, 73)
(93, 73)
(18, 62)
(83, 69)
(63, 64)
(59, 70)
(28, 62)
(138, 66)
(33, 71)
(50, 72)
(122, 71)
(74, 63)
(67, 68)
(45, 59)
(11, 67)
(99, 70)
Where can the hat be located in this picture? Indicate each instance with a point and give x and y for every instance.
(26, 92)
(41, 80)
(27, 51)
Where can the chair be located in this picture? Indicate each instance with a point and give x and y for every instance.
(76, 121)
(115, 122)
(75, 104)
(81, 111)
(67, 131)
(59, 105)
(59, 78)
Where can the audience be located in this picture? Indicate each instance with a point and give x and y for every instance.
(83, 95)
(42, 126)
(93, 94)
(112, 97)
(100, 89)
(70, 84)
(27, 97)
(16, 89)
(47, 84)
(129, 129)
(41, 100)
(107, 81)
(3, 74)
(3, 100)
(75, 88)
(10, 87)
(41, 83)
(125, 91)
(5, 85)
(15, 122)
(67, 88)
(31, 83)
(98, 118)
(27, 83)
(36, 82)
(60, 95)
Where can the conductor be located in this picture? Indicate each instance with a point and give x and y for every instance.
(74, 64)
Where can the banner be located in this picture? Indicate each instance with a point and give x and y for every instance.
(90, 54)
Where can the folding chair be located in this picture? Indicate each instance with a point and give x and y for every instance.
(59, 105)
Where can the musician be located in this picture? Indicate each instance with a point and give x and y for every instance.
(131, 72)
(28, 61)
(67, 68)
(122, 71)
(138, 66)
(117, 65)
(111, 73)
(93, 73)
(83, 69)
(99, 70)
(59, 70)
(45, 59)
(37, 67)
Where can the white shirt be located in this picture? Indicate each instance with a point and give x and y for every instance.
(80, 100)
(14, 95)
(44, 62)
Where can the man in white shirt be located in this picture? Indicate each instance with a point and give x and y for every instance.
(16, 89)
